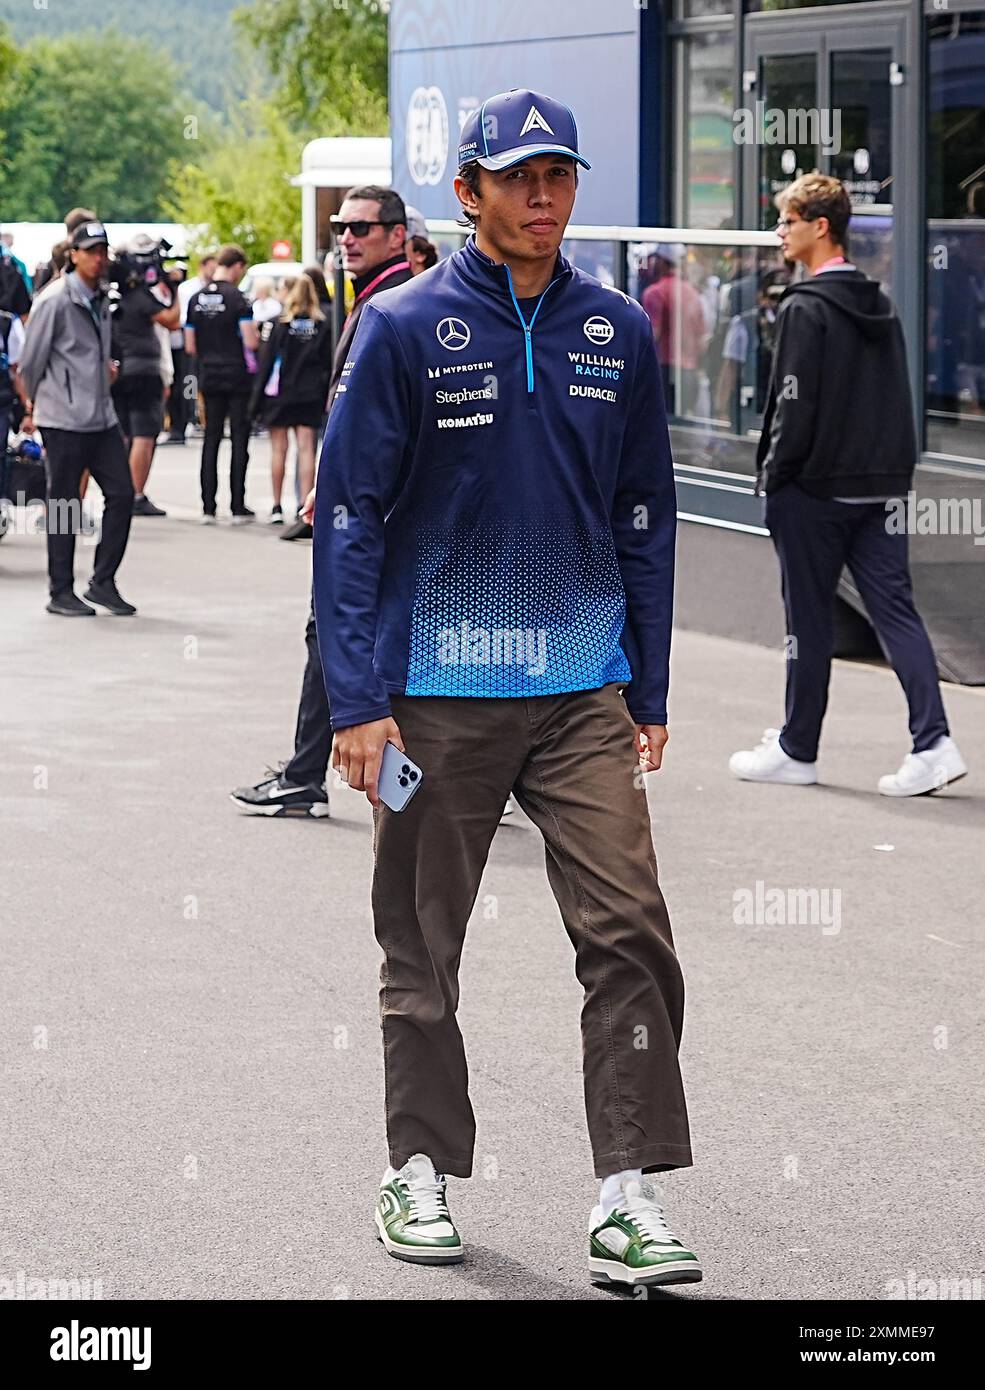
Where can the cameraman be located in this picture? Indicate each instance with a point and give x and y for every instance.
(139, 390)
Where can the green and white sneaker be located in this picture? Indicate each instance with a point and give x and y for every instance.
(412, 1216)
(633, 1245)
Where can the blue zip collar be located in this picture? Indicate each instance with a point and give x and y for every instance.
(484, 273)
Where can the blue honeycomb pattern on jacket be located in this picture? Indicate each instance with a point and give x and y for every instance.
(503, 612)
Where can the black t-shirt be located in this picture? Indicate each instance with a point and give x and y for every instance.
(135, 340)
(215, 313)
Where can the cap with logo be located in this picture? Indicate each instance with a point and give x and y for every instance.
(89, 234)
(514, 126)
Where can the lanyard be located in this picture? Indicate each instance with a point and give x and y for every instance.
(392, 270)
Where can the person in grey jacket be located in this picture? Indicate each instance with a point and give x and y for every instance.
(66, 368)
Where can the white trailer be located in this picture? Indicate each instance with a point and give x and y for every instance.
(329, 167)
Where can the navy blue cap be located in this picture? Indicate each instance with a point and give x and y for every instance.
(516, 125)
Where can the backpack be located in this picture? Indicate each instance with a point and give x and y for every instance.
(14, 297)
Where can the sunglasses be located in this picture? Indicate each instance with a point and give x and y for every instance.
(358, 229)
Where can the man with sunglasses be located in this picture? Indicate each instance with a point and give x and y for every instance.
(493, 574)
(370, 230)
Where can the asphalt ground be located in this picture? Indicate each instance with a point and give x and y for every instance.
(192, 1071)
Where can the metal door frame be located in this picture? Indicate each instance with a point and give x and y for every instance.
(831, 29)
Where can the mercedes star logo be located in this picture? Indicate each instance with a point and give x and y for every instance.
(454, 334)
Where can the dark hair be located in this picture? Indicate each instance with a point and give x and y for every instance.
(59, 256)
(817, 195)
(392, 210)
(425, 248)
(317, 278)
(77, 216)
(231, 255)
(469, 174)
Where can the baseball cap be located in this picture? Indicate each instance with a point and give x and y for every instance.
(516, 125)
(88, 235)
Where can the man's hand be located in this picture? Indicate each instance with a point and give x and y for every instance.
(114, 372)
(651, 739)
(307, 513)
(357, 753)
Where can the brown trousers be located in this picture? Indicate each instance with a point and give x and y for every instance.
(571, 763)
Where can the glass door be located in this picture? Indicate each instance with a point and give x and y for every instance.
(824, 94)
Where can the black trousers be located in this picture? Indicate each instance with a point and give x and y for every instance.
(220, 406)
(69, 454)
(179, 409)
(814, 539)
(313, 735)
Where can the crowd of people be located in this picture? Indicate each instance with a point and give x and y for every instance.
(153, 354)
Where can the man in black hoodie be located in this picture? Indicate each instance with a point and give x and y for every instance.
(838, 443)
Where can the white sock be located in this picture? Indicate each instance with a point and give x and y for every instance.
(611, 1190)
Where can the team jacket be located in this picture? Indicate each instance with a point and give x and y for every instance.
(496, 513)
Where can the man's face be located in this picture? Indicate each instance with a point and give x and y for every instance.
(93, 264)
(363, 253)
(207, 268)
(523, 211)
(797, 236)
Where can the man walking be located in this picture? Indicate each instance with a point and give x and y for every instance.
(370, 230)
(220, 331)
(66, 369)
(838, 444)
(493, 570)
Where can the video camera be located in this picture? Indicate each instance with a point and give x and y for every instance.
(132, 268)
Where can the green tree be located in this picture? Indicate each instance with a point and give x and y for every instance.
(197, 34)
(240, 190)
(93, 121)
(329, 60)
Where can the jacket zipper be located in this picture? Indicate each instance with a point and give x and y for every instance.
(528, 327)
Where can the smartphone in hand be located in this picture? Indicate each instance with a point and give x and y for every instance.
(399, 778)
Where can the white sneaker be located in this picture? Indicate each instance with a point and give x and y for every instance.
(633, 1245)
(209, 519)
(926, 772)
(412, 1217)
(769, 763)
